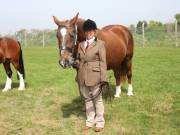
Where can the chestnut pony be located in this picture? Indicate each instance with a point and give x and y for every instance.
(119, 48)
(10, 52)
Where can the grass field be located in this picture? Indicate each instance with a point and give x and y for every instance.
(51, 104)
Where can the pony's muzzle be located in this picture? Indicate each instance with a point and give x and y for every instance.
(64, 64)
(61, 63)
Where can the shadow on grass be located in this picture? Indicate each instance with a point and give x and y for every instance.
(14, 85)
(109, 92)
(73, 108)
(2, 86)
(77, 104)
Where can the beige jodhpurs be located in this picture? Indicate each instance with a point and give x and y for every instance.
(94, 107)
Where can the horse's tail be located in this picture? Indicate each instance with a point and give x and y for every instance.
(21, 63)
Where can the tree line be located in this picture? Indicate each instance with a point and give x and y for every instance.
(154, 31)
(155, 26)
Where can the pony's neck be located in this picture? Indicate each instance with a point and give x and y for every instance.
(81, 36)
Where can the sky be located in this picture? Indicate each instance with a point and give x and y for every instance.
(29, 14)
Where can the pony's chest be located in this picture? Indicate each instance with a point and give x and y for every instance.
(1, 56)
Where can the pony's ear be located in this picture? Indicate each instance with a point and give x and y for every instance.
(73, 21)
(56, 20)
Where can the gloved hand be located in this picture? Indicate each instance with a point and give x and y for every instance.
(103, 83)
(75, 65)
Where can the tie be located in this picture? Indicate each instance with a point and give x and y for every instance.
(87, 45)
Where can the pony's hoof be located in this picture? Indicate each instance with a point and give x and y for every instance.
(130, 94)
(6, 89)
(116, 96)
(21, 88)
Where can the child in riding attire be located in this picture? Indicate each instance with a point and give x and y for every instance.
(92, 73)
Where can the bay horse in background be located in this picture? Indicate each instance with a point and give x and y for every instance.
(10, 52)
(118, 43)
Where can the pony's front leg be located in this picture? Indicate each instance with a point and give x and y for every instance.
(8, 70)
(21, 81)
(8, 84)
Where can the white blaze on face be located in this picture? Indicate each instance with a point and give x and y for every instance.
(63, 32)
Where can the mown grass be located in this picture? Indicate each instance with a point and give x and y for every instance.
(51, 104)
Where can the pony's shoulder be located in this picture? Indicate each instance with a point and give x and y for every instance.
(100, 41)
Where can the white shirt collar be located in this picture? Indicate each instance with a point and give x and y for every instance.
(90, 41)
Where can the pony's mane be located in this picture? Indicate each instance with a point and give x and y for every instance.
(81, 35)
(80, 20)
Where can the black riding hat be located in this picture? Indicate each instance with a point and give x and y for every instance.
(89, 25)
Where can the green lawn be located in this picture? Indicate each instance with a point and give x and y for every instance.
(50, 105)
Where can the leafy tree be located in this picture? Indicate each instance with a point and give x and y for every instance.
(155, 24)
(20, 34)
(132, 28)
(139, 26)
(177, 17)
